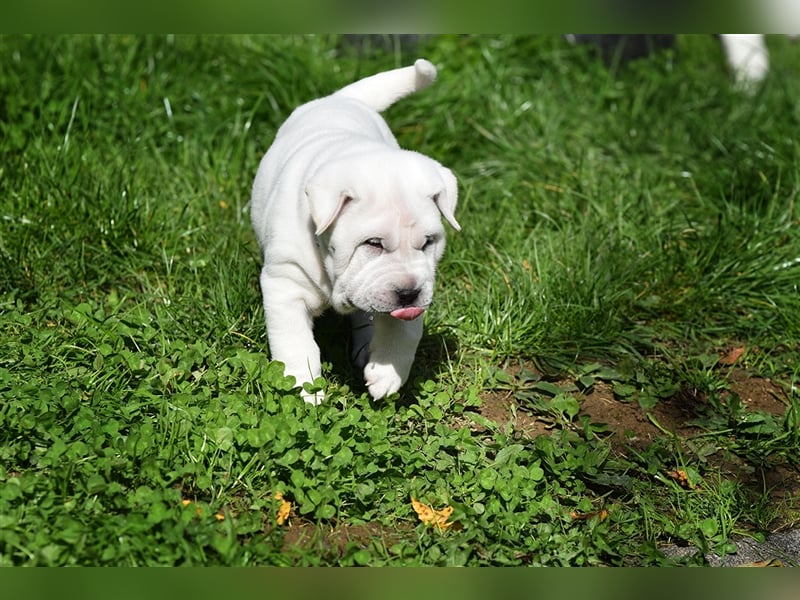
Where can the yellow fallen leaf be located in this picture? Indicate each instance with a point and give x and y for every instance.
(601, 514)
(219, 517)
(682, 477)
(432, 517)
(732, 356)
(197, 509)
(283, 510)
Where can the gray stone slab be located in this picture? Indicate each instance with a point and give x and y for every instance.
(783, 546)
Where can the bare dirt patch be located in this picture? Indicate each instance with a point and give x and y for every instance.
(627, 421)
(503, 409)
(337, 539)
(759, 393)
(632, 427)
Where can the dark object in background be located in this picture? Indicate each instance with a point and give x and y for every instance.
(366, 44)
(612, 48)
(621, 48)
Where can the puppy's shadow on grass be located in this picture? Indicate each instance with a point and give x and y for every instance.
(333, 332)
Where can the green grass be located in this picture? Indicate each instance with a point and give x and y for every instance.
(618, 226)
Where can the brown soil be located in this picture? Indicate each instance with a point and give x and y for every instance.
(336, 539)
(630, 426)
(627, 421)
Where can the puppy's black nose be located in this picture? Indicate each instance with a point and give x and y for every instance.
(406, 297)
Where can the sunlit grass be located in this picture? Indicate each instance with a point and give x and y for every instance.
(608, 216)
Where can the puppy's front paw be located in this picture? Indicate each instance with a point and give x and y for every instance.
(381, 380)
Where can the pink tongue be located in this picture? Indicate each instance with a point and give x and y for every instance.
(407, 314)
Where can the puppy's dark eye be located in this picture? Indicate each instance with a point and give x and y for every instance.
(374, 243)
(429, 242)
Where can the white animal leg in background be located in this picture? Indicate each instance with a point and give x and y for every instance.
(747, 56)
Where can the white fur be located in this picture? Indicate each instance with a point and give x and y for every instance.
(331, 187)
(747, 56)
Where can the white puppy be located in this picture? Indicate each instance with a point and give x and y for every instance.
(347, 219)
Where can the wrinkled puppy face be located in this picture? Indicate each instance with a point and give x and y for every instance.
(378, 220)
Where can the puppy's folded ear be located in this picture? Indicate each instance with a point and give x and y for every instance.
(326, 203)
(447, 199)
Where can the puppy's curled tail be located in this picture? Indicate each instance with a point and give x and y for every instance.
(382, 90)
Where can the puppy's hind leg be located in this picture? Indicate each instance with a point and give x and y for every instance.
(363, 329)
